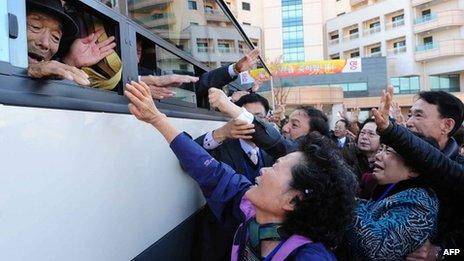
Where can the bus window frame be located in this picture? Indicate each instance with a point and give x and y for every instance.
(20, 90)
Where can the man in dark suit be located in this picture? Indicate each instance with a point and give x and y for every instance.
(245, 158)
(340, 133)
(218, 77)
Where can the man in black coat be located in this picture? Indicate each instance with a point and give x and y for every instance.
(438, 115)
(245, 158)
(218, 77)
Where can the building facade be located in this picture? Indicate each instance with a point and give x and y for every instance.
(200, 27)
(423, 41)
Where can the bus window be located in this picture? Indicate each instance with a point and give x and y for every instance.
(168, 63)
(202, 29)
(64, 37)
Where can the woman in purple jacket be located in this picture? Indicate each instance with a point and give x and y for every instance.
(299, 208)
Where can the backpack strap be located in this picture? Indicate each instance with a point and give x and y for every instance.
(289, 246)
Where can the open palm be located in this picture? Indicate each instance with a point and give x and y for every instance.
(88, 51)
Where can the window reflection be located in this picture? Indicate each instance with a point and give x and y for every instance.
(198, 27)
(167, 63)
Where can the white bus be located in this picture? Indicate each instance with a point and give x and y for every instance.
(81, 178)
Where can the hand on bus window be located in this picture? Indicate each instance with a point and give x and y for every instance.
(54, 69)
(141, 103)
(248, 61)
(382, 114)
(234, 129)
(170, 80)
(87, 51)
(218, 99)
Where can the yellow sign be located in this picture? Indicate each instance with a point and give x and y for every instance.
(309, 68)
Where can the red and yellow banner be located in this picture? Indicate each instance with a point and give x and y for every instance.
(309, 68)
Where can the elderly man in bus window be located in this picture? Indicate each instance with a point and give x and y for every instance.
(47, 25)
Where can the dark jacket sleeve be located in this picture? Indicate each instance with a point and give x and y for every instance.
(270, 140)
(215, 78)
(221, 186)
(443, 172)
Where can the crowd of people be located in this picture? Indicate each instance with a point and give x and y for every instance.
(303, 192)
(384, 189)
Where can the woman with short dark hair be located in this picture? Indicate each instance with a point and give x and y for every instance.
(299, 208)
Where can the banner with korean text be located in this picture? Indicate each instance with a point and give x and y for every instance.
(309, 68)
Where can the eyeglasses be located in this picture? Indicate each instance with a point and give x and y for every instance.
(369, 134)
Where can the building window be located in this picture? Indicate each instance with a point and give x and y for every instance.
(354, 87)
(354, 54)
(246, 6)
(208, 9)
(398, 20)
(202, 47)
(449, 83)
(192, 5)
(406, 85)
(335, 56)
(292, 31)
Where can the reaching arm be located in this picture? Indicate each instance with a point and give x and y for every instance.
(221, 186)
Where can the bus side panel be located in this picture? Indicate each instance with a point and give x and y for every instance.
(88, 186)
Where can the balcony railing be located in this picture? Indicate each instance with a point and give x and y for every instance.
(205, 49)
(444, 19)
(426, 47)
(445, 48)
(397, 50)
(395, 24)
(425, 18)
(372, 30)
(334, 41)
(352, 36)
(222, 49)
(375, 54)
(217, 15)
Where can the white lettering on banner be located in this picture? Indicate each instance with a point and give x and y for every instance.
(246, 78)
(451, 252)
(352, 65)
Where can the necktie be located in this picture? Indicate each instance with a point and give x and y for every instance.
(253, 154)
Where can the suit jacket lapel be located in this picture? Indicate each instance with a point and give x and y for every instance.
(236, 153)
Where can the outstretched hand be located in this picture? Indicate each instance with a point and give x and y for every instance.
(234, 129)
(248, 61)
(55, 69)
(382, 114)
(141, 103)
(88, 51)
(218, 99)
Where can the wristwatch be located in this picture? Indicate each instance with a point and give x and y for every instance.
(439, 253)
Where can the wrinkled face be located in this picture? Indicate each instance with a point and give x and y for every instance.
(272, 191)
(256, 108)
(340, 129)
(368, 139)
(389, 167)
(43, 36)
(297, 125)
(425, 119)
